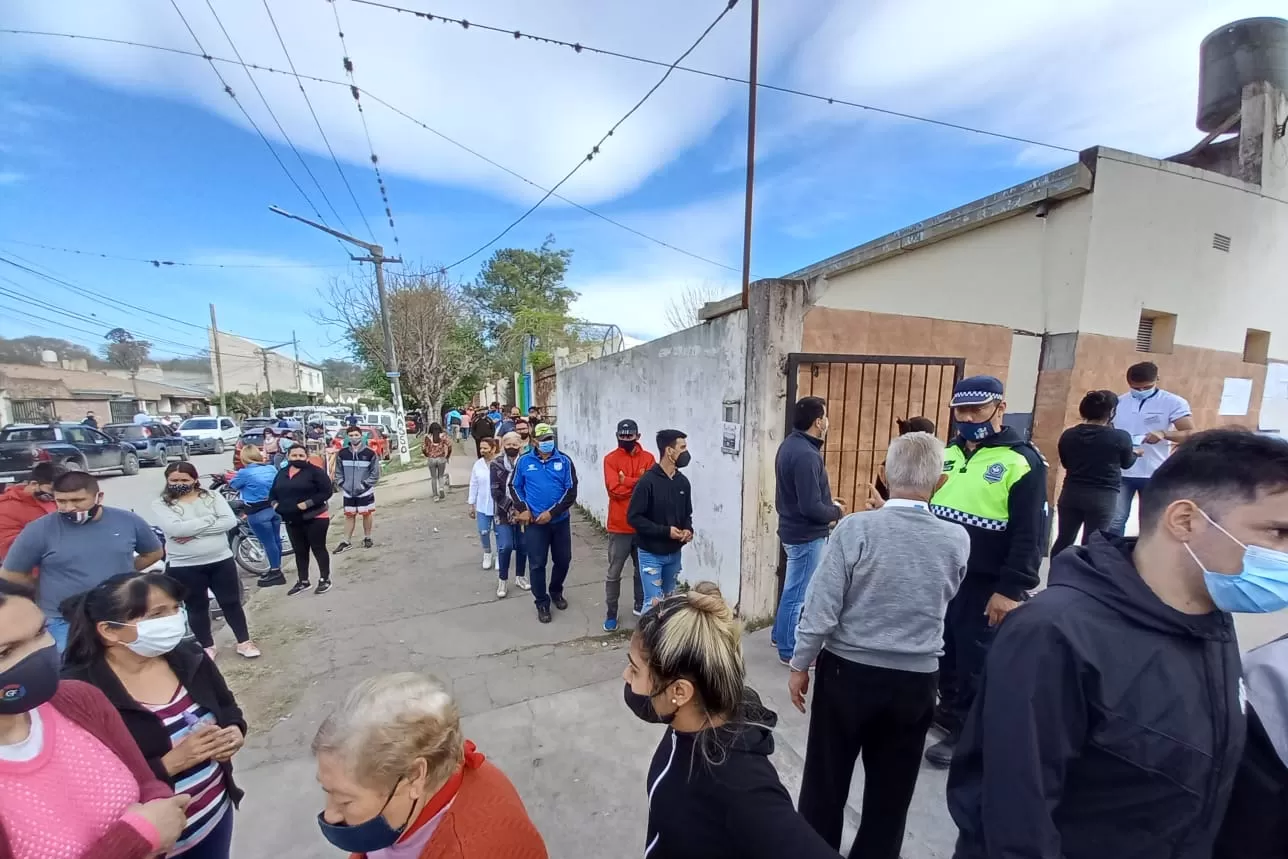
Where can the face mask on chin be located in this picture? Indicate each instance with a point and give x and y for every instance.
(80, 517)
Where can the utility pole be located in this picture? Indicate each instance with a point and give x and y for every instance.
(299, 384)
(751, 152)
(219, 361)
(375, 256)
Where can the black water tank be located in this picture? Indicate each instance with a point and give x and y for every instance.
(1247, 51)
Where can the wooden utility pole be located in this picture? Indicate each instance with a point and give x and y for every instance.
(268, 385)
(751, 152)
(219, 361)
(299, 384)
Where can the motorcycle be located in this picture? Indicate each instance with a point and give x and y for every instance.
(247, 550)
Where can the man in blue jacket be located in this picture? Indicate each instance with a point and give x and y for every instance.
(543, 487)
(806, 511)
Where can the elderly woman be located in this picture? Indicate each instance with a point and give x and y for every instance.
(401, 781)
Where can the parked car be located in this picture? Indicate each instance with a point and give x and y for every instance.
(209, 435)
(386, 419)
(155, 444)
(74, 446)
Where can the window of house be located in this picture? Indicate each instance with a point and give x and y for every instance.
(1256, 346)
(1155, 332)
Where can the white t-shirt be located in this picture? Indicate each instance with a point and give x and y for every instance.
(1157, 413)
(481, 488)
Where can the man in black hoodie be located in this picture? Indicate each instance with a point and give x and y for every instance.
(1110, 720)
(996, 490)
(661, 512)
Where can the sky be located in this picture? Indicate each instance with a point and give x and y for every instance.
(139, 153)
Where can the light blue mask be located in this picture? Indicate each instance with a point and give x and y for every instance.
(1143, 394)
(546, 446)
(1260, 588)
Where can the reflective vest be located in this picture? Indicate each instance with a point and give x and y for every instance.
(978, 489)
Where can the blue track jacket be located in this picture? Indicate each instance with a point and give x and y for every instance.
(538, 485)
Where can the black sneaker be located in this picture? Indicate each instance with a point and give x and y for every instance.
(543, 613)
(560, 603)
(271, 579)
(945, 722)
(940, 755)
(366, 543)
(324, 585)
(297, 587)
(344, 546)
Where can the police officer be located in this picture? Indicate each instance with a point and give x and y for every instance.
(996, 489)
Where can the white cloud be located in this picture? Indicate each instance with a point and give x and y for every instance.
(10, 177)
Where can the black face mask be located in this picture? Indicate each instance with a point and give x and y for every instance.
(29, 683)
(512, 452)
(683, 459)
(179, 488)
(627, 445)
(642, 707)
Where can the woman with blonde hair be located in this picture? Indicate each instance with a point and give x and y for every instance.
(713, 792)
(254, 480)
(402, 782)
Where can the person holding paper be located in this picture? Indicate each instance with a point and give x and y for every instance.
(1155, 419)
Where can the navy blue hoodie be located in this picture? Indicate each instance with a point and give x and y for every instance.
(1107, 725)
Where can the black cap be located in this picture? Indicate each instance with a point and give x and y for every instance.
(628, 427)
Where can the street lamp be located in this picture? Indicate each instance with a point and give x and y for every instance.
(376, 256)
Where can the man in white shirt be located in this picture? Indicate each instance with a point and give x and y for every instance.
(142, 417)
(1155, 419)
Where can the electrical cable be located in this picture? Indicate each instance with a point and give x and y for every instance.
(229, 90)
(168, 263)
(336, 161)
(356, 92)
(594, 150)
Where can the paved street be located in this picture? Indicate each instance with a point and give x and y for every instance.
(544, 702)
(139, 491)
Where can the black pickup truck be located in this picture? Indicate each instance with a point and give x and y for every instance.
(73, 446)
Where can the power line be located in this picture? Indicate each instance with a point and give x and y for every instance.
(594, 150)
(290, 143)
(168, 263)
(579, 48)
(318, 122)
(356, 92)
(229, 90)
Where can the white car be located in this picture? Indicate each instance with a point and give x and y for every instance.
(210, 435)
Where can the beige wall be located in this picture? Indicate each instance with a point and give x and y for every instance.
(1151, 248)
(1023, 272)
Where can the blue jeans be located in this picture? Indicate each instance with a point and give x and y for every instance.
(1127, 492)
(509, 541)
(58, 628)
(266, 525)
(802, 560)
(218, 843)
(484, 521)
(551, 541)
(658, 574)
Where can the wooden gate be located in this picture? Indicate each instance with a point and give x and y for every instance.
(866, 395)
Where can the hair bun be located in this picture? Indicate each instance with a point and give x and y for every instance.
(706, 598)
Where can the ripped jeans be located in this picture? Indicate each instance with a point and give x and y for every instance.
(658, 574)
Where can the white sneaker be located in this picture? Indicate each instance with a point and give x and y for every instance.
(522, 582)
(487, 560)
(500, 589)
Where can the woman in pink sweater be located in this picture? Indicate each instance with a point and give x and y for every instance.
(73, 785)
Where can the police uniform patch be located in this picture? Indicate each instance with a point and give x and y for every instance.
(994, 473)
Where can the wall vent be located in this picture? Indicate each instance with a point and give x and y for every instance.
(1221, 243)
(1145, 334)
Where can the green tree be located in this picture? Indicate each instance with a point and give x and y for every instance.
(520, 294)
(125, 351)
(338, 373)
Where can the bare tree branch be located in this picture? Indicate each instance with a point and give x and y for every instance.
(682, 310)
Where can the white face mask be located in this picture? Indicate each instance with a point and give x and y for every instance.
(159, 635)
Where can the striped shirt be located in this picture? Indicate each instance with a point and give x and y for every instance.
(203, 782)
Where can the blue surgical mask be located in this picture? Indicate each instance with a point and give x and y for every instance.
(976, 430)
(365, 838)
(1145, 394)
(546, 446)
(1261, 587)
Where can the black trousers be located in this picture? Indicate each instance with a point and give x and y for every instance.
(201, 580)
(310, 536)
(882, 715)
(1085, 507)
(967, 637)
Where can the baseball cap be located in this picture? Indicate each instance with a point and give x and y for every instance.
(977, 390)
(628, 427)
(543, 430)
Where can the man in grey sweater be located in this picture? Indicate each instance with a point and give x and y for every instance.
(874, 620)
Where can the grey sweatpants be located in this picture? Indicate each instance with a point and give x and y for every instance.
(438, 472)
(621, 547)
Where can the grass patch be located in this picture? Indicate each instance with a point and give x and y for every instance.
(265, 691)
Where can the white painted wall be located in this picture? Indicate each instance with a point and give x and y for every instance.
(1151, 247)
(999, 274)
(678, 382)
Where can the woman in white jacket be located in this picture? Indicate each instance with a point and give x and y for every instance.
(482, 507)
(196, 525)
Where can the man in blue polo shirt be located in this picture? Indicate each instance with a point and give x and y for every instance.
(1155, 419)
(543, 487)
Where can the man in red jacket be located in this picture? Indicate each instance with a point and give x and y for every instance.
(623, 468)
(27, 503)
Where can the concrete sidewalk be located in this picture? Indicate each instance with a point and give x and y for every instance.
(542, 701)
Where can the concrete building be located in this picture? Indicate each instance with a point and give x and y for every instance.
(30, 393)
(248, 368)
(1056, 286)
